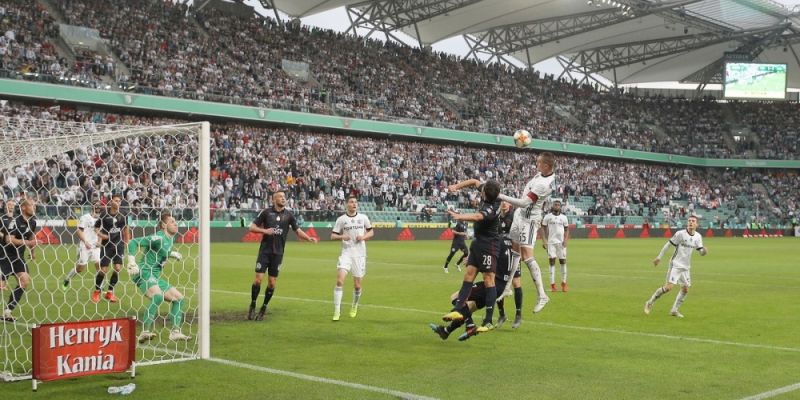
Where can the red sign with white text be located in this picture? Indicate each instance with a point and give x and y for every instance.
(70, 349)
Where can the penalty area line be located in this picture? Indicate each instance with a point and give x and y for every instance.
(773, 393)
(312, 378)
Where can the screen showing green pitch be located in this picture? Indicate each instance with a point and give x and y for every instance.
(755, 81)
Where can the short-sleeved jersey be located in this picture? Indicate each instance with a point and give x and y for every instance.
(353, 226)
(112, 225)
(459, 240)
(281, 222)
(5, 221)
(538, 190)
(86, 224)
(19, 228)
(684, 245)
(156, 251)
(556, 224)
(487, 230)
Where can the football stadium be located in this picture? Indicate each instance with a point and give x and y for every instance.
(414, 199)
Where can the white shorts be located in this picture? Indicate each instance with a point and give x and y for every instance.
(679, 277)
(84, 255)
(556, 250)
(356, 265)
(524, 230)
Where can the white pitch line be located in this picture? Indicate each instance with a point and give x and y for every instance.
(773, 393)
(312, 378)
(556, 325)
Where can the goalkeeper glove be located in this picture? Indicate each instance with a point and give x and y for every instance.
(175, 255)
(133, 269)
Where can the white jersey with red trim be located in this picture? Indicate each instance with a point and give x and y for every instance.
(538, 190)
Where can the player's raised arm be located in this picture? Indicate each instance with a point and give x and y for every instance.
(473, 217)
(464, 184)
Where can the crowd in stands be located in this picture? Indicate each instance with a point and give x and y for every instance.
(172, 49)
(319, 170)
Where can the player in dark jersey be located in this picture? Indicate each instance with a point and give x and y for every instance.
(5, 220)
(484, 250)
(112, 229)
(478, 292)
(504, 268)
(459, 244)
(19, 233)
(274, 223)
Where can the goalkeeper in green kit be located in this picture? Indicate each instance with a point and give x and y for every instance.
(147, 277)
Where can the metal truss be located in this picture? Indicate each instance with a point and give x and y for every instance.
(520, 36)
(390, 15)
(612, 56)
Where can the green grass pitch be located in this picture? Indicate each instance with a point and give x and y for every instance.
(739, 337)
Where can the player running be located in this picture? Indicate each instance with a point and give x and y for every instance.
(87, 244)
(459, 244)
(112, 229)
(685, 241)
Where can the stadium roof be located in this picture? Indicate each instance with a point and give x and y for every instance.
(638, 40)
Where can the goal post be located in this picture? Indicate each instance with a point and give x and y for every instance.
(66, 168)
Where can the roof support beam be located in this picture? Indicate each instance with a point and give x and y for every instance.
(519, 36)
(608, 57)
(390, 15)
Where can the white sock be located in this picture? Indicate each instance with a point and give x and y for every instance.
(678, 301)
(536, 274)
(337, 299)
(514, 268)
(660, 291)
(356, 296)
(564, 273)
(71, 273)
(552, 274)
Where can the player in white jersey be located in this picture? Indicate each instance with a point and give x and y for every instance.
(555, 232)
(685, 241)
(88, 249)
(528, 219)
(353, 229)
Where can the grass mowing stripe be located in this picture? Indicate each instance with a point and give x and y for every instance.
(312, 378)
(773, 393)
(552, 324)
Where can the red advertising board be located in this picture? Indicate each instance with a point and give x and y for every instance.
(70, 349)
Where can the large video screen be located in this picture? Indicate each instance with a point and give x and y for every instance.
(755, 81)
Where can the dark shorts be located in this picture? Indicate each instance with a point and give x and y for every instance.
(483, 257)
(111, 253)
(459, 247)
(269, 263)
(11, 267)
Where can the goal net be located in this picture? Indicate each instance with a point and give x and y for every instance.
(68, 168)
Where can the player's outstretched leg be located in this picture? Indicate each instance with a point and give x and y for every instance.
(440, 330)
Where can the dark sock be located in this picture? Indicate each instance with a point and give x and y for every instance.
(460, 260)
(113, 281)
(501, 307)
(15, 297)
(268, 295)
(255, 290)
(467, 315)
(463, 294)
(98, 280)
(491, 297)
(454, 325)
(518, 299)
(449, 257)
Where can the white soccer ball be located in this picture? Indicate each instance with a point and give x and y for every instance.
(522, 138)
